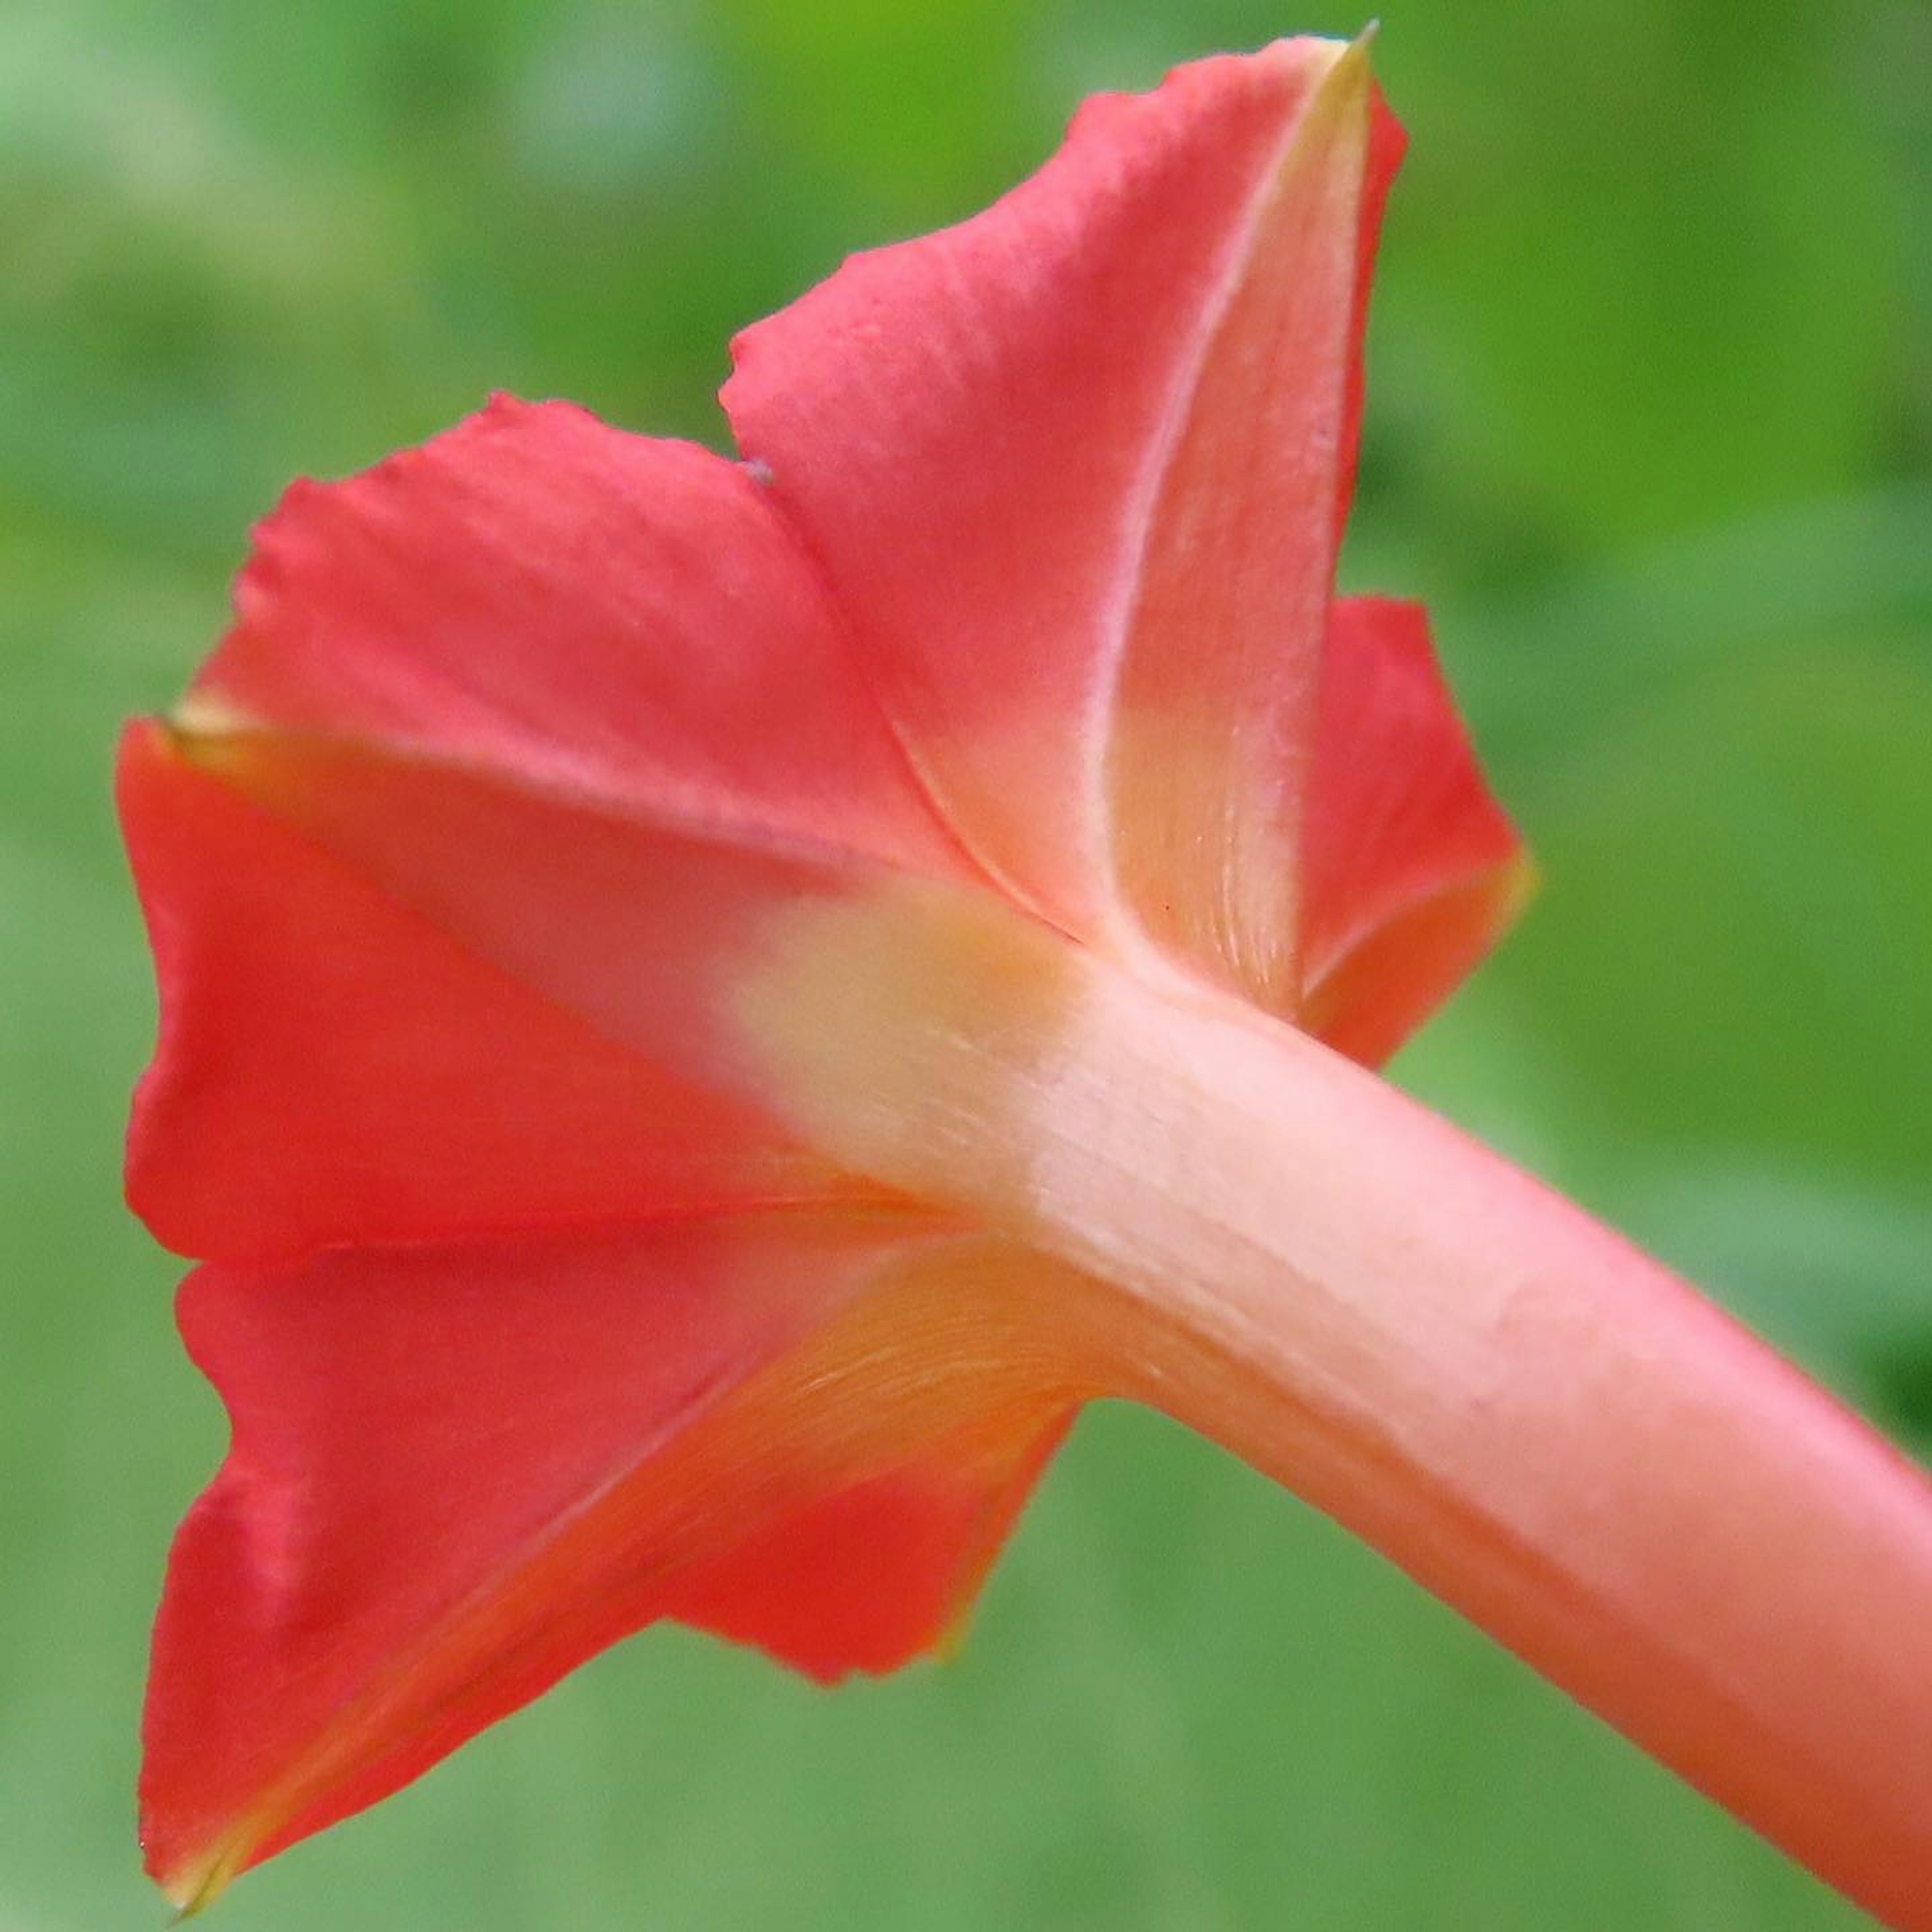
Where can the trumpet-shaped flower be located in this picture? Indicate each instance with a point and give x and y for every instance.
(707, 1006)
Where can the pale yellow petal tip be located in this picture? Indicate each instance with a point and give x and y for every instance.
(1344, 80)
(952, 1640)
(1355, 63)
(203, 714)
(193, 1903)
(192, 1889)
(1525, 880)
(1342, 55)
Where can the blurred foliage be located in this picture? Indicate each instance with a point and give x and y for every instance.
(1650, 426)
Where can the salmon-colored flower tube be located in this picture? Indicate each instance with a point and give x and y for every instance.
(707, 1006)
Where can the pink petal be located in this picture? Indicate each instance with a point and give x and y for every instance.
(589, 611)
(1002, 442)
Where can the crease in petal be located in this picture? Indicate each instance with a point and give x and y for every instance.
(332, 1066)
(1211, 721)
(966, 431)
(459, 1471)
(634, 930)
(1388, 143)
(622, 616)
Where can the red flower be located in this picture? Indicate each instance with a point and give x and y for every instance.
(707, 1008)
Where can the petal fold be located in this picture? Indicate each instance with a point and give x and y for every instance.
(1213, 714)
(334, 1065)
(588, 610)
(1000, 441)
(459, 1471)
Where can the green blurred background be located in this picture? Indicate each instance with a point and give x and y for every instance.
(1650, 425)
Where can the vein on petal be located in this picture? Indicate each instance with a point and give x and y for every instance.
(1142, 523)
(709, 1412)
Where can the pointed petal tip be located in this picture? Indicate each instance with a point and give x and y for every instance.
(1345, 57)
(947, 1647)
(191, 1887)
(1350, 74)
(201, 714)
(1523, 880)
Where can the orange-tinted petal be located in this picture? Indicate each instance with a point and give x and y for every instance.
(459, 1471)
(333, 1066)
(1410, 868)
(868, 1577)
(589, 611)
(1003, 443)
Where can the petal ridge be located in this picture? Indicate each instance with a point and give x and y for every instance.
(1213, 678)
(618, 615)
(955, 432)
(332, 1064)
(334, 1622)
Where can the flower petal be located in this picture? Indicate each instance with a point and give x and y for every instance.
(460, 1471)
(590, 610)
(640, 931)
(869, 1577)
(1002, 441)
(1215, 694)
(332, 1067)
(1410, 870)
